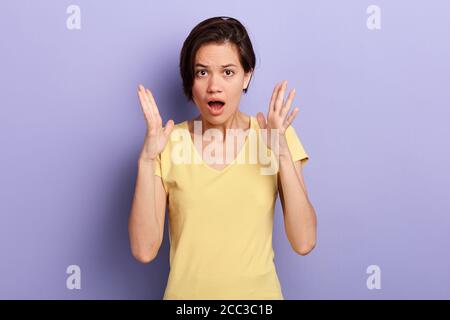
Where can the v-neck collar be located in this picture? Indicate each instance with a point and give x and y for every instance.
(231, 164)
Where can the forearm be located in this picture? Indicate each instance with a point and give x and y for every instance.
(144, 227)
(299, 215)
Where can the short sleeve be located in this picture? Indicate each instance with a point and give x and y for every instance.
(296, 146)
(158, 170)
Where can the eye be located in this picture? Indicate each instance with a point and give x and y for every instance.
(229, 70)
(197, 73)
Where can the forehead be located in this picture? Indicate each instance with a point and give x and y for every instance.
(213, 54)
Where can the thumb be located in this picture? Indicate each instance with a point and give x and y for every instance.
(261, 120)
(169, 127)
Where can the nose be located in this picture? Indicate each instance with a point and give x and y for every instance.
(214, 84)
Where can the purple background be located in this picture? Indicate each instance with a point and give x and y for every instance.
(374, 118)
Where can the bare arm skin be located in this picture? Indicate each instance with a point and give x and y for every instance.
(299, 215)
(146, 221)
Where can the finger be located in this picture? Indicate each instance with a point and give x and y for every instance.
(261, 120)
(152, 101)
(287, 106)
(291, 118)
(143, 103)
(274, 97)
(149, 100)
(280, 97)
(169, 127)
(155, 110)
(145, 106)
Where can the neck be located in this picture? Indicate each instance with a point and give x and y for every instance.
(236, 121)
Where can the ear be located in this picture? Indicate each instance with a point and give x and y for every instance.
(247, 78)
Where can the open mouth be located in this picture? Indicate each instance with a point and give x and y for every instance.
(216, 106)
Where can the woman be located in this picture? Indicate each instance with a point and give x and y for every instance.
(220, 211)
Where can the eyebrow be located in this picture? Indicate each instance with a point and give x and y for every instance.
(224, 66)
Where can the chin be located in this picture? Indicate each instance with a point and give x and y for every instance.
(214, 119)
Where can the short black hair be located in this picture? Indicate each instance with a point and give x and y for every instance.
(215, 30)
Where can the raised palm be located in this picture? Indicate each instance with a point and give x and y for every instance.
(278, 117)
(156, 137)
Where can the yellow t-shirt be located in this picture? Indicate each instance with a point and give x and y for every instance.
(221, 221)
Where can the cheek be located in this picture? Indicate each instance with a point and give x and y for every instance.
(236, 90)
(199, 88)
(196, 91)
(238, 85)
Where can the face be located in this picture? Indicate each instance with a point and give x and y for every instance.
(218, 76)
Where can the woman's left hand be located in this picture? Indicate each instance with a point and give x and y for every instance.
(277, 118)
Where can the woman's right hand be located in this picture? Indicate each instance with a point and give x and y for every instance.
(156, 137)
